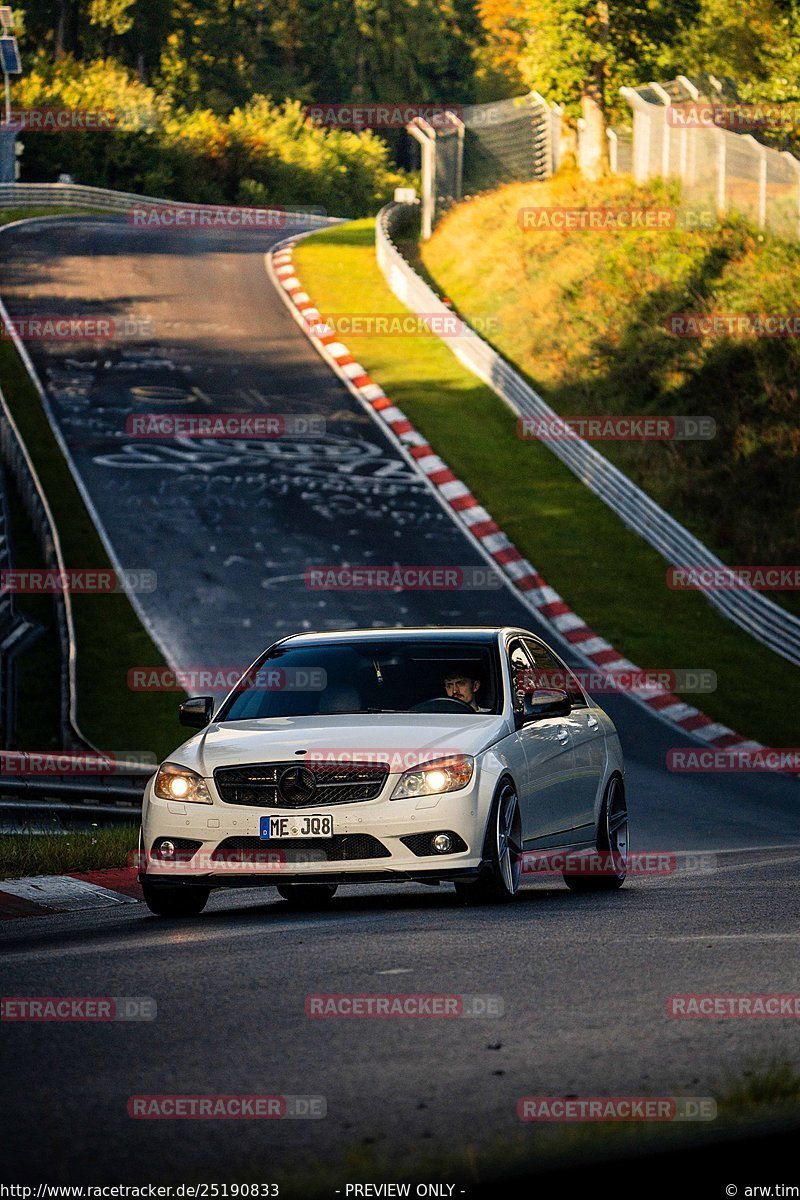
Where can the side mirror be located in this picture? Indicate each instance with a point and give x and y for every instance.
(196, 713)
(544, 702)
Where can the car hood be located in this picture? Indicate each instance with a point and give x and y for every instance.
(376, 737)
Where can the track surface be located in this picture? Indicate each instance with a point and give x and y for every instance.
(230, 529)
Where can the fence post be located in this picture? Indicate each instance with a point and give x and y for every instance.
(613, 148)
(762, 184)
(422, 132)
(556, 113)
(795, 164)
(641, 134)
(664, 97)
(721, 154)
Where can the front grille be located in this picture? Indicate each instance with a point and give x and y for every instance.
(421, 843)
(258, 784)
(344, 847)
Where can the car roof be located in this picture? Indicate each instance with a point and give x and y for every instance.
(488, 634)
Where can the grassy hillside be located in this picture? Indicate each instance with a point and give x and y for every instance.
(583, 315)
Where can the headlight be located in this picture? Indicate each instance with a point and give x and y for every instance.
(439, 775)
(179, 783)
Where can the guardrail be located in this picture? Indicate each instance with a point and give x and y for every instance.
(118, 795)
(47, 195)
(751, 610)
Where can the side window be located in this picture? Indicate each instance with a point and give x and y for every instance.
(554, 673)
(521, 671)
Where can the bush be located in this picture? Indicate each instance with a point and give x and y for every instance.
(262, 153)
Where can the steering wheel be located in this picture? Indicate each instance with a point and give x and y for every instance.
(443, 704)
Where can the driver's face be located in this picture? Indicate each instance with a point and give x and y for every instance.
(460, 687)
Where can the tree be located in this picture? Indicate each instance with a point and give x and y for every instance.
(755, 42)
(580, 52)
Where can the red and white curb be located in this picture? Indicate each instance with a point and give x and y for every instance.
(44, 895)
(542, 599)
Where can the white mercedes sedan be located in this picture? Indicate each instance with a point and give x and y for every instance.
(431, 755)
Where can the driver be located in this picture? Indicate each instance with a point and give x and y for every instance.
(459, 685)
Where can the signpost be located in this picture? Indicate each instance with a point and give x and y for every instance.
(9, 54)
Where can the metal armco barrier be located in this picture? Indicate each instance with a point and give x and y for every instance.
(13, 195)
(118, 796)
(751, 610)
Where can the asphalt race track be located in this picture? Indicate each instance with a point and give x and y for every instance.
(230, 529)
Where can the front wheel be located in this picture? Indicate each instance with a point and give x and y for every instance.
(613, 845)
(308, 897)
(175, 901)
(502, 851)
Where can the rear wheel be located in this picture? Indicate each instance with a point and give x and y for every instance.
(613, 843)
(175, 901)
(502, 851)
(308, 897)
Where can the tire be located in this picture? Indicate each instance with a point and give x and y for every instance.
(175, 901)
(613, 839)
(502, 849)
(308, 897)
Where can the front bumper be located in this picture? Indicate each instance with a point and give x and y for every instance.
(262, 863)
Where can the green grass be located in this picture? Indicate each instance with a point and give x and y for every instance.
(7, 215)
(772, 1086)
(110, 638)
(765, 1100)
(38, 709)
(610, 576)
(23, 854)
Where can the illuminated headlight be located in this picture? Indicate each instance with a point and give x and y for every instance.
(432, 779)
(179, 783)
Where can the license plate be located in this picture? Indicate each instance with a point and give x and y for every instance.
(309, 825)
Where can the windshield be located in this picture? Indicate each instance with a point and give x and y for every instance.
(369, 677)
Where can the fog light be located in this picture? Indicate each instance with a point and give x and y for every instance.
(166, 849)
(442, 843)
